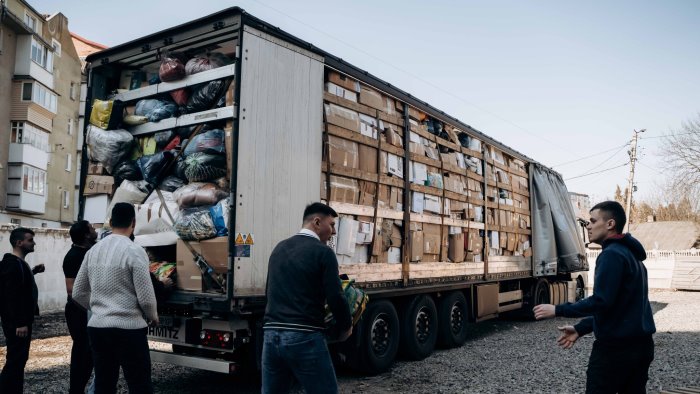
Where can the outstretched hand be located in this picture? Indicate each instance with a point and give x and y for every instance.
(544, 311)
(568, 337)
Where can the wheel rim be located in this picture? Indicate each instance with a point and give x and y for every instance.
(380, 334)
(542, 295)
(580, 293)
(423, 327)
(456, 318)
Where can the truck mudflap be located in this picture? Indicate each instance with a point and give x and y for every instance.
(209, 364)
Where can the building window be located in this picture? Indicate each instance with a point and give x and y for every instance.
(27, 91)
(33, 180)
(69, 162)
(16, 221)
(66, 199)
(56, 47)
(40, 95)
(25, 133)
(70, 126)
(41, 55)
(73, 90)
(30, 21)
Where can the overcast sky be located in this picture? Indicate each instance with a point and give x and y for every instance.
(556, 80)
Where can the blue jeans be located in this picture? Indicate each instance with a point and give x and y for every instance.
(293, 354)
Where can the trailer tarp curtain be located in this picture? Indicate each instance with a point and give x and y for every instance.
(556, 242)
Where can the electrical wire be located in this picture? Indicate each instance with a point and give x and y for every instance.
(593, 155)
(597, 172)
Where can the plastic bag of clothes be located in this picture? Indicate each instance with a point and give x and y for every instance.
(219, 215)
(172, 67)
(155, 109)
(171, 183)
(202, 167)
(154, 226)
(163, 138)
(180, 96)
(134, 120)
(127, 170)
(205, 63)
(210, 142)
(153, 167)
(180, 168)
(107, 114)
(205, 96)
(195, 224)
(133, 192)
(108, 147)
(197, 194)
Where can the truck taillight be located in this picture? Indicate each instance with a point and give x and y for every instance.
(215, 338)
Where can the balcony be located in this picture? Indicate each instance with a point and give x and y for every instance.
(24, 66)
(19, 199)
(27, 154)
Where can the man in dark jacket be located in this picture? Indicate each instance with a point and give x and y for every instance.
(618, 312)
(301, 277)
(18, 305)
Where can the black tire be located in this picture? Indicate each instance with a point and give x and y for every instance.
(379, 340)
(580, 290)
(542, 294)
(419, 328)
(453, 315)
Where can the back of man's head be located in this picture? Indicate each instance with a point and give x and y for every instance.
(79, 231)
(123, 215)
(613, 210)
(317, 209)
(19, 234)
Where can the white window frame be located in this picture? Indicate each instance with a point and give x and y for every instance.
(31, 21)
(33, 180)
(26, 133)
(41, 55)
(42, 96)
(66, 199)
(73, 90)
(56, 47)
(69, 162)
(70, 126)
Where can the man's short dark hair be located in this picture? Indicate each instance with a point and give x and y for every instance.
(19, 234)
(613, 210)
(318, 208)
(79, 231)
(123, 215)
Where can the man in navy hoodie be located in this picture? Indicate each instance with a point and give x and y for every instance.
(618, 312)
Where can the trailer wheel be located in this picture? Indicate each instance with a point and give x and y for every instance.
(542, 294)
(454, 315)
(419, 328)
(580, 290)
(380, 337)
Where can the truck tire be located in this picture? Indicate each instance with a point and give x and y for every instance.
(380, 337)
(419, 328)
(580, 290)
(454, 317)
(542, 294)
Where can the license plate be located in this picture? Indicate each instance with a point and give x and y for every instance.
(173, 331)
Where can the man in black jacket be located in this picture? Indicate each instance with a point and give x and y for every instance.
(18, 305)
(301, 277)
(618, 312)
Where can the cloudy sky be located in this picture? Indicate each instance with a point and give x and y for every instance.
(563, 82)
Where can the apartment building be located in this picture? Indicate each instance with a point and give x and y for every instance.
(40, 75)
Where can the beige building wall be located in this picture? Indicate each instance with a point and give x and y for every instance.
(7, 69)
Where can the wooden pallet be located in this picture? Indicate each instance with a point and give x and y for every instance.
(682, 390)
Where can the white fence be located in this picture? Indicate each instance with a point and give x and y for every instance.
(667, 269)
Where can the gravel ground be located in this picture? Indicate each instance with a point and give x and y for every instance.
(501, 356)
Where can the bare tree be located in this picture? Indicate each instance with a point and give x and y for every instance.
(681, 150)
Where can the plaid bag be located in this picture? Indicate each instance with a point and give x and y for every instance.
(356, 298)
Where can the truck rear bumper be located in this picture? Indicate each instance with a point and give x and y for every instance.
(184, 360)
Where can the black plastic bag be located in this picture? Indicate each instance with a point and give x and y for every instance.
(127, 170)
(153, 167)
(108, 147)
(204, 96)
(210, 142)
(201, 167)
(155, 109)
(205, 63)
(171, 183)
(162, 138)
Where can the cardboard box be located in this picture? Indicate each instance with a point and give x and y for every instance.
(384, 196)
(214, 251)
(389, 106)
(475, 242)
(368, 159)
(416, 245)
(432, 152)
(361, 255)
(432, 204)
(431, 258)
(369, 125)
(417, 148)
(419, 173)
(395, 165)
(344, 190)
(396, 199)
(98, 184)
(371, 98)
(394, 256)
(417, 202)
(431, 239)
(95, 168)
(343, 81)
(392, 137)
(96, 208)
(396, 239)
(343, 153)
(342, 117)
(456, 249)
(341, 92)
(347, 236)
(365, 232)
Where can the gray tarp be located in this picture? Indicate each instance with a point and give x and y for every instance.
(557, 247)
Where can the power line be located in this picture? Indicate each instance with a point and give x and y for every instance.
(597, 172)
(414, 76)
(667, 136)
(593, 155)
(608, 159)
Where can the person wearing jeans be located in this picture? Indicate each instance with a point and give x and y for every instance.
(302, 276)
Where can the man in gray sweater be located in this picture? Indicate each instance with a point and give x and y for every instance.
(114, 283)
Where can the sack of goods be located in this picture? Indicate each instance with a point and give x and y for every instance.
(356, 298)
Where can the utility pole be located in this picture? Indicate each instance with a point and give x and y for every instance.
(630, 184)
